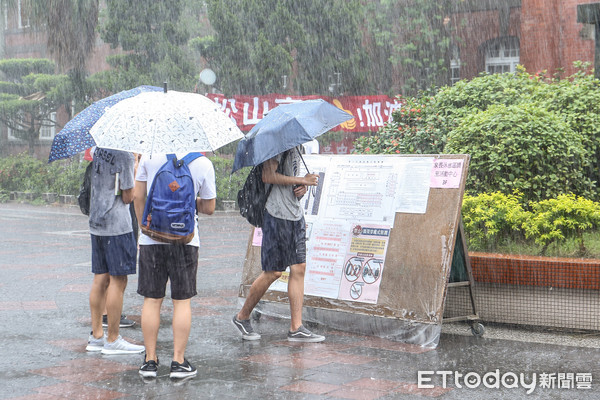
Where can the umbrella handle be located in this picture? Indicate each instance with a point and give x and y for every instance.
(302, 158)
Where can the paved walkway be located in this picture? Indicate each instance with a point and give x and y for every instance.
(44, 284)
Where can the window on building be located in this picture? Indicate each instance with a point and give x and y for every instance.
(23, 18)
(502, 55)
(48, 129)
(11, 133)
(455, 65)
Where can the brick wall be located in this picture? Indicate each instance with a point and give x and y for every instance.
(551, 36)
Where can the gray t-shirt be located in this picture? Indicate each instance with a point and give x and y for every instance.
(109, 216)
(282, 202)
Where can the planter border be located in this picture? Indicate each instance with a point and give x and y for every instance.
(571, 273)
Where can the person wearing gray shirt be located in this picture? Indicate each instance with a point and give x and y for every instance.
(114, 248)
(283, 244)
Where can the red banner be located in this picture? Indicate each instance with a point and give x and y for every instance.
(370, 112)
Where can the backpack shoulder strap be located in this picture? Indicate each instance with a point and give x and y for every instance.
(191, 157)
(279, 169)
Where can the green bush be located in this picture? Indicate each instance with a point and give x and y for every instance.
(554, 220)
(523, 148)
(490, 218)
(414, 129)
(495, 220)
(570, 106)
(227, 184)
(577, 101)
(24, 173)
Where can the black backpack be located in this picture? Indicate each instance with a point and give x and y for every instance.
(85, 191)
(252, 197)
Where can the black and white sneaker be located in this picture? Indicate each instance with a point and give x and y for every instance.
(149, 369)
(123, 323)
(245, 328)
(182, 370)
(304, 335)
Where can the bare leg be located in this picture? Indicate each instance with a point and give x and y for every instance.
(98, 302)
(151, 325)
(182, 324)
(296, 294)
(114, 305)
(257, 291)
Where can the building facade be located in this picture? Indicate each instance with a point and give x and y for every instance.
(540, 35)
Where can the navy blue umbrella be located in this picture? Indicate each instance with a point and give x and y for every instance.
(285, 127)
(75, 136)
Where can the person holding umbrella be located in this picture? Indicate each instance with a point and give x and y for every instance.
(278, 139)
(283, 244)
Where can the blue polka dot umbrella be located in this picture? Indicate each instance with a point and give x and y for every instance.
(75, 137)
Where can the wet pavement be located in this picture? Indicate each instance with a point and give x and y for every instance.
(45, 280)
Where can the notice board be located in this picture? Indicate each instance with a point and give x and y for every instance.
(381, 233)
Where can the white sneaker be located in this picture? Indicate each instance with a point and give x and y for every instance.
(95, 344)
(121, 346)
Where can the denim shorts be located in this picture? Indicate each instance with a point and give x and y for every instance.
(162, 262)
(115, 255)
(283, 243)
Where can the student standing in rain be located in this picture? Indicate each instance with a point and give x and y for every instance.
(178, 263)
(113, 247)
(283, 244)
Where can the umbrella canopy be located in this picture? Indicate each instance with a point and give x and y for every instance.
(285, 127)
(75, 137)
(165, 122)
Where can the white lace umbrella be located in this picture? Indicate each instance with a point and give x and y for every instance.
(159, 122)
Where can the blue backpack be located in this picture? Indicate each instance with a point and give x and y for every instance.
(170, 210)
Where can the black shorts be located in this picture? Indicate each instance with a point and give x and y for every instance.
(283, 243)
(159, 263)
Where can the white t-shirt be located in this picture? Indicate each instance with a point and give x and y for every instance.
(203, 174)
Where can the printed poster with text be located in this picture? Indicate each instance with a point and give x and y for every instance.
(326, 246)
(364, 263)
(361, 189)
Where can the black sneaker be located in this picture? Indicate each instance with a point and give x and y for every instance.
(245, 328)
(124, 323)
(149, 368)
(182, 370)
(304, 335)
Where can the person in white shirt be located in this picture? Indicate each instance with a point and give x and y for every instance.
(178, 263)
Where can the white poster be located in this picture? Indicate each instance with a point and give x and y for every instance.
(326, 250)
(360, 189)
(414, 182)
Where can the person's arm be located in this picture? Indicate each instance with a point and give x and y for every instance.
(127, 195)
(270, 175)
(205, 206)
(139, 199)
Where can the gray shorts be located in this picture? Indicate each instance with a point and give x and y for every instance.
(160, 263)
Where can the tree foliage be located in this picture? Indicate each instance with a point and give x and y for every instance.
(152, 37)
(257, 42)
(413, 39)
(30, 96)
(71, 35)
